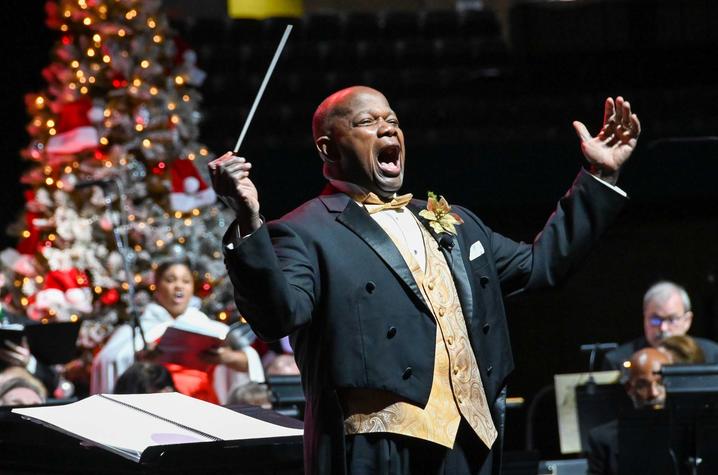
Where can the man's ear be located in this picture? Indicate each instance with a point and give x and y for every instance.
(325, 147)
(689, 320)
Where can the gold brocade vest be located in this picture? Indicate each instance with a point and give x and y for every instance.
(456, 388)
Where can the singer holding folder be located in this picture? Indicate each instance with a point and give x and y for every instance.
(174, 289)
(394, 304)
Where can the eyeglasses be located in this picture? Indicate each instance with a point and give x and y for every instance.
(657, 321)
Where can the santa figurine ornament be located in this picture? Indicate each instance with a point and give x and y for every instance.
(75, 131)
(189, 190)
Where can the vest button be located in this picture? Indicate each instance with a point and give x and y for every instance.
(442, 311)
(370, 286)
(450, 340)
(431, 286)
(407, 373)
(483, 280)
(391, 332)
(486, 328)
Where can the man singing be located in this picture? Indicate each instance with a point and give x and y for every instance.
(394, 305)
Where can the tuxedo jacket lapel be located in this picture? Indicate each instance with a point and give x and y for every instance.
(457, 264)
(358, 220)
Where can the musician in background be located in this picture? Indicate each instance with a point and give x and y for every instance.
(682, 349)
(645, 388)
(18, 355)
(19, 388)
(145, 378)
(174, 290)
(666, 312)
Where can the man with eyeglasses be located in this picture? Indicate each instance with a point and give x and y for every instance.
(644, 385)
(666, 312)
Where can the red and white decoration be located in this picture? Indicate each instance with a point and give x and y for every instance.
(65, 292)
(75, 131)
(189, 190)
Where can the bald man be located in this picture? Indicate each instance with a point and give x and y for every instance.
(395, 311)
(644, 386)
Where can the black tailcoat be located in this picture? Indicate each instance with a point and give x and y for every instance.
(328, 275)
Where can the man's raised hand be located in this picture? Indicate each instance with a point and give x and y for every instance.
(608, 151)
(230, 180)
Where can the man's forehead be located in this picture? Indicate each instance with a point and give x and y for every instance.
(363, 101)
(664, 305)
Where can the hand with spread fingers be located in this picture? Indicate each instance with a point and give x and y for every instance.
(609, 150)
(230, 180)
(14, 354)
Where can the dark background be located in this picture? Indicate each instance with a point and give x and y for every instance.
(492, 133)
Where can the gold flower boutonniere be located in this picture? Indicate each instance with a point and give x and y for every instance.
(438, 213)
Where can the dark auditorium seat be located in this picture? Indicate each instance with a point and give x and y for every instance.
(273, 28)
(402, 24)
(479, 23)
(452, 51)
(373, 53)
(440, 23)
(206, 31)
(361, 25)
(245, 30)
(323, 26)
(413, 52)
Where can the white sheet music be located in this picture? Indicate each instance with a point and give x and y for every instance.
(128, 432)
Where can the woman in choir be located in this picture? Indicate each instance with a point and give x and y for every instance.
(174, 290)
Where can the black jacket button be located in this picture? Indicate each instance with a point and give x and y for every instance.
(483, 280)
(486, 328)
(370, 286)
(407, 373)
(391, 332)
(489, 369)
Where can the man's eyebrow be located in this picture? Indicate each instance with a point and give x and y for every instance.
(373, 112)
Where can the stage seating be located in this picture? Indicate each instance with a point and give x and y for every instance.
(454, 73)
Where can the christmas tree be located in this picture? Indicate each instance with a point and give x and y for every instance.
(115, 158)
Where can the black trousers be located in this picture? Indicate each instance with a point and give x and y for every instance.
(392, 454)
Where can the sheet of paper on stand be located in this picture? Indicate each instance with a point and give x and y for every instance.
(568, 429)
(127, 424)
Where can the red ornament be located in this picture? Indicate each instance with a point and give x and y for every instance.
(118, 80)
(31, 241)
(204, 289)
(110, 297)
(66, 279)
(52, 10)
(189, 190)
(180, 47)
(75, 132)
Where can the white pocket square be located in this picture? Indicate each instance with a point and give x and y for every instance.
(475, 250)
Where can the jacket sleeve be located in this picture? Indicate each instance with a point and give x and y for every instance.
(275, 279)
(581, 216)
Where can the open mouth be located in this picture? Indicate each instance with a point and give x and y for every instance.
(389, 160)
(178, 296)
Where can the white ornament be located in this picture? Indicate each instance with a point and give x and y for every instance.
(95, 114)
(190, 184)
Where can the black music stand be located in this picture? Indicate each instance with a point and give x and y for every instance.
(692, 403)
(644, 437)
(287, 394)
(32, 449)
(598, 404)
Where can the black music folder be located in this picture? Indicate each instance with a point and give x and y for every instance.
(51, 343)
